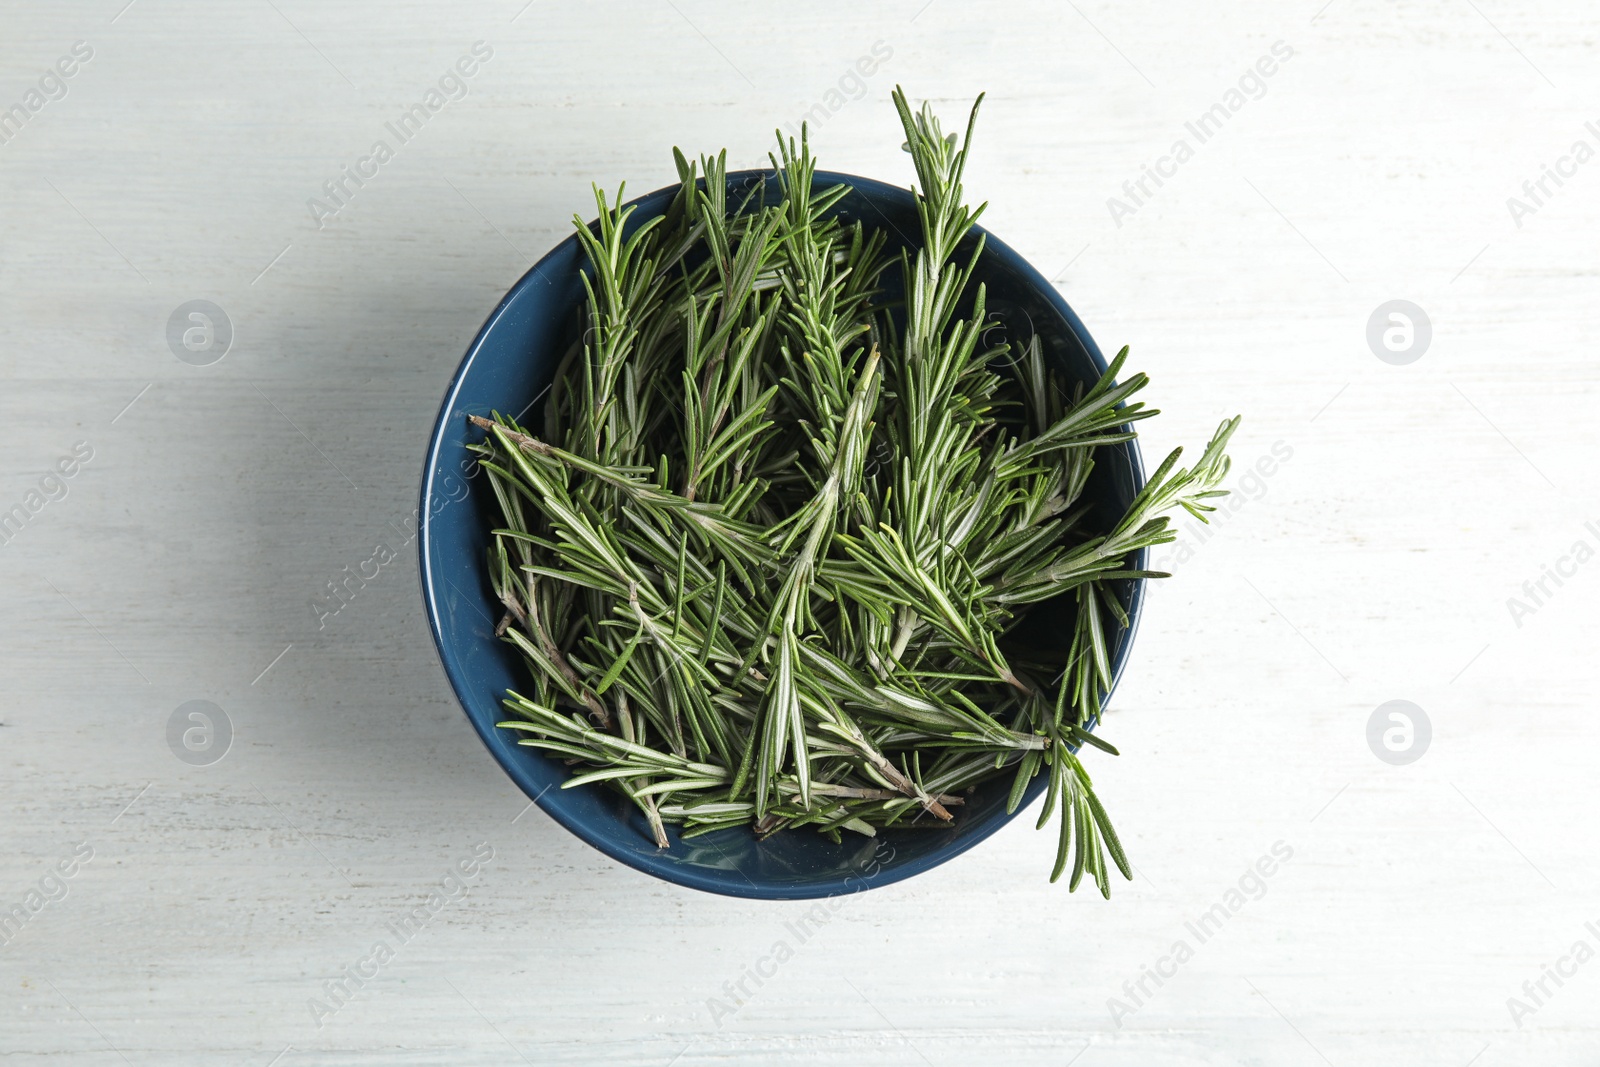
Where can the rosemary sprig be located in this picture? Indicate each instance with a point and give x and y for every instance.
(769, 557)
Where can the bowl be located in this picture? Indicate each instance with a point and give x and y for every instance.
(508, 367)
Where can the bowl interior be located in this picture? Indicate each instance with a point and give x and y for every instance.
(508, 368)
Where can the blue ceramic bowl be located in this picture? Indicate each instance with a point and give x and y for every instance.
(508, 366)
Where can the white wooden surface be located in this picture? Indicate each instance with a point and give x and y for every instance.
(1374, 564)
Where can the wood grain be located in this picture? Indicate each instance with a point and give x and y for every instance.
(1375, 563)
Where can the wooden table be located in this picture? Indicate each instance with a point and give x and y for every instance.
(200, 152)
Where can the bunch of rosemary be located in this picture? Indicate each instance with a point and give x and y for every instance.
(768, 556)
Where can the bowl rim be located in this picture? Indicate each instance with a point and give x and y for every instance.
(660, 864)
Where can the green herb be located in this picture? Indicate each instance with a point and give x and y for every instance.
(769, 553)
